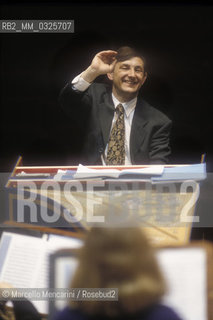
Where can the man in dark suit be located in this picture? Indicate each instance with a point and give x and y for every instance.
(146, 129)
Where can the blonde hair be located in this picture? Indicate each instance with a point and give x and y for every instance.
(118, 258)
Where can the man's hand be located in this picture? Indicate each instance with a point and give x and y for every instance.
(102, 63)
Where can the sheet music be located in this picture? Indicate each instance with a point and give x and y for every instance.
(53, 244)
(185, 272)
(24, 261)
(21, 261)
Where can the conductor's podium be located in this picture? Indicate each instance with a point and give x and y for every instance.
(39, 197)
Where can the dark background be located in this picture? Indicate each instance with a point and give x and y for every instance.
(177, 40)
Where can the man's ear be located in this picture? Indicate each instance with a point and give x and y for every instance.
(110, 75)
(145, 77)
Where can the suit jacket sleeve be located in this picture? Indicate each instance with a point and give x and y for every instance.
(83, 110)
(159, 147)
(74, 102)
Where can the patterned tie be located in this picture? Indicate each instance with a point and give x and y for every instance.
(116, 145)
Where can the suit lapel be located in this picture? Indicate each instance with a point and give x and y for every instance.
(107, 110)
(138, 130)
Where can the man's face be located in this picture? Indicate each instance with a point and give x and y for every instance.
(128, 76)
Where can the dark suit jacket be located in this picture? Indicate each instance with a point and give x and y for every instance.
(149, 138)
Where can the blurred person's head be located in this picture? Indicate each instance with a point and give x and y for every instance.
(119, 258)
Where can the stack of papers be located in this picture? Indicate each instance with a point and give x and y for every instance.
(195, 172)
(84, 172)
(154, 173)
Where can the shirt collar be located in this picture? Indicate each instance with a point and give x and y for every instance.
(128, 106)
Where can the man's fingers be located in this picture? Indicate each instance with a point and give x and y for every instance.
(112, 65)
(108, 52)
(107, 56)
(104, 61)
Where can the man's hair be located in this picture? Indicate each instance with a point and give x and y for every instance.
(126, 53)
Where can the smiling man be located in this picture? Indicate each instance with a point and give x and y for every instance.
(122, 128)
(128, 77)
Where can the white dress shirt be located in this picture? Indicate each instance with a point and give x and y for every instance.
(81, 85)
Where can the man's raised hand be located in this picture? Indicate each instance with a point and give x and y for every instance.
(102, 63)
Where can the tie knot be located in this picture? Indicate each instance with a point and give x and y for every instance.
(120, 109)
